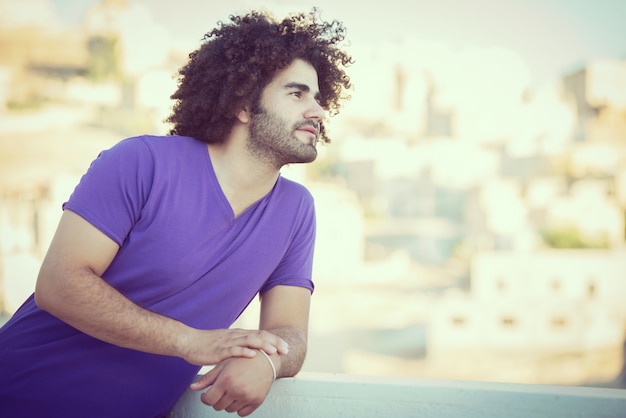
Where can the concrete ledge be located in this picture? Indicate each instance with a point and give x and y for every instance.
(329, 395)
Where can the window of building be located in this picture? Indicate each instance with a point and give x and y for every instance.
(591, 289)
(508, 321)
(458, 321)
(559, 322)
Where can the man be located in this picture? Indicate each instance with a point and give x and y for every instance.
(166, 240)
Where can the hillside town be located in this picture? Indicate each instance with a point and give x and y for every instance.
(471, 225)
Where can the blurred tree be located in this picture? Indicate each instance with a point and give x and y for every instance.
(570, 237)
(104, 58)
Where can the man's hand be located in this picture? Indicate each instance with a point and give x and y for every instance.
(240, 384)
(210, 347)
(237, 384)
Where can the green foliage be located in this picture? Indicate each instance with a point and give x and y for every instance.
(103, 58)
(25, 104)
(570, 237)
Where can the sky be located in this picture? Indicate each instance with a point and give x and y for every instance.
(551, 36)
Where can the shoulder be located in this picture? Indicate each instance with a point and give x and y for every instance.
(294, 189)
(154, 148)
(159, 143)
(293, 198)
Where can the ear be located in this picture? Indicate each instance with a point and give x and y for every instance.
(244, 115)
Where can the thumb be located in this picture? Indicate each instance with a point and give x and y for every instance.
(205, 381)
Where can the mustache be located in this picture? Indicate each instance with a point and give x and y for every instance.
(317, 126)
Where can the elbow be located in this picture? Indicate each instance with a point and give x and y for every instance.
(46, 297)
(42, 300)
(292, 372)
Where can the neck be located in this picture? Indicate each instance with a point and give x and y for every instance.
(243, 178)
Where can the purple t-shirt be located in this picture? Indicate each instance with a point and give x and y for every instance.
(182, 253)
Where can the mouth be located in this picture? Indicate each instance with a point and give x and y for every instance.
(309, 129)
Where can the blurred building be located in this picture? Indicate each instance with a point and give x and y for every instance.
(546, 301)
(37, 62)
(599, 93)
(339, 243)
(117, 59)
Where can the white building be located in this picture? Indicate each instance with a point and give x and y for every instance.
(536, 301)
(592, 209)
(339, 248)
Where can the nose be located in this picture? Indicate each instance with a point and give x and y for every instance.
(315, 112)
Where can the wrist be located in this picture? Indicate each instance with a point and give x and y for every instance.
(271, 362)
(183, 343)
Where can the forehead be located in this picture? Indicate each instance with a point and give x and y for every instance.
(299, 71)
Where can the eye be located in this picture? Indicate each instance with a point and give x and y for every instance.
(297, 94)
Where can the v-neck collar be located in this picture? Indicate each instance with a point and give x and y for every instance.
(224, 204)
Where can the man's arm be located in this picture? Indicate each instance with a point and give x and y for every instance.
(70, 287)
(285, 312)
(241, 385)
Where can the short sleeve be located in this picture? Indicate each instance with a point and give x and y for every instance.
(112, 192)
(296, 267)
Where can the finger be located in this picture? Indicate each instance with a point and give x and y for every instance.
(246, 343)
(265, 340)
(234, 351)
(223, 402)
(283, 347)
(247, 410)
(246, 346)
(205, 381)
(212, 396)
(279, 345)
(234, 406)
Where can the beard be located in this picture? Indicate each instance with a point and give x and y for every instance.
(271, 140)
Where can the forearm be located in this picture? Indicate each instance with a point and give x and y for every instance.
(89, 304)
(288, 365)
(92, 306)
(285, 312)
(70, 286)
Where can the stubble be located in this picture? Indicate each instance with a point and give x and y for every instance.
(272, 141)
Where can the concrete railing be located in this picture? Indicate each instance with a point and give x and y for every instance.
(330, 395)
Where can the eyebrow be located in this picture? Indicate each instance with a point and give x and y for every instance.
(304, 88)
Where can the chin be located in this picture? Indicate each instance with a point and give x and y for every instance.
(310, 157)
(304, 158)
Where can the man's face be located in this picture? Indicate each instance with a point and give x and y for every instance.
(286, 126)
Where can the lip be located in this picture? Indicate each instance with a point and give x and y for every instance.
(309, 129)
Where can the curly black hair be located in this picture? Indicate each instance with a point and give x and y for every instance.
(238, 59)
